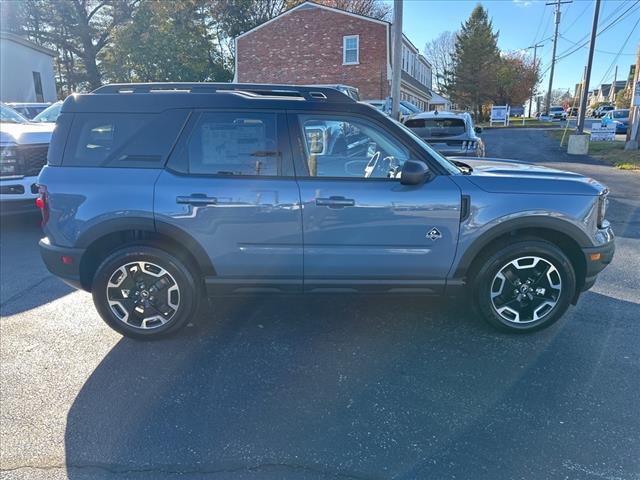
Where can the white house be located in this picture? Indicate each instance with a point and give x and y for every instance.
(26, 70)
(438, 102)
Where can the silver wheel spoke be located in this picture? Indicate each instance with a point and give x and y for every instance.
(525, 289)
(143, 295)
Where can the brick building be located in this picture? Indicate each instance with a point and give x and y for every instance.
(316, 44)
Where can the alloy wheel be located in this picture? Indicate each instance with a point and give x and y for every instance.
(526, 289)
(143, 295)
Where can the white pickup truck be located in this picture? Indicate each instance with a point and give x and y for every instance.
(23, 153)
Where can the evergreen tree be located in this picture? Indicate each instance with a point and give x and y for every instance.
(475, 62)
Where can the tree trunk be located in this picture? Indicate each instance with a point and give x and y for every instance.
(93, 75)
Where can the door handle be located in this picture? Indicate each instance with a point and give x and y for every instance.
(335, 202)
(197, 199)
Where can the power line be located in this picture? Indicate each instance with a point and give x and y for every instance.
(585, 40)
(535, 38)
(582, 44)
(614, 22)
(615, 60)
(586, 6)
(597, 50)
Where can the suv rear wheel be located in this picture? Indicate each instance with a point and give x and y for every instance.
(144, 292)
(525, 286)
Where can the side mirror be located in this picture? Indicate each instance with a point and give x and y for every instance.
(413, 172)
(478, 130)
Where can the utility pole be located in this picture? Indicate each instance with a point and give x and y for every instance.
(582, 95)
(587, 76)
(397, 59)
(612, 90)
(535, 52)
(633, 132)
(557, 4)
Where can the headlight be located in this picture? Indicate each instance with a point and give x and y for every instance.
(7, 153)
(603, 201)
(8, 160)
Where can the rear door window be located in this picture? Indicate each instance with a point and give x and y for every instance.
(235, 144)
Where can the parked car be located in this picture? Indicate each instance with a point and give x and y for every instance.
(48, 115)
(28, 110)
(602, 110)
(619, 118)
(23, 153)
(151, 201)
(556, 112)
(349, 91)
(449, 133)
(572, 112)
(517, 111)
(407, 109)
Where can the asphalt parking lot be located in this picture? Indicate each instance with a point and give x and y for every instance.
(326, 387)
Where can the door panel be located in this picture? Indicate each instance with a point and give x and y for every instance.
(236, 196)
(363, 230)
(382, 234)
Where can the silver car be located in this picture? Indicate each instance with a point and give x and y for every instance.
(451, 134)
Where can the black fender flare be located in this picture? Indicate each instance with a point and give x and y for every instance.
(543, 222)
(148, 224)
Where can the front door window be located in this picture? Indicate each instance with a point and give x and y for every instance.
(348, 147)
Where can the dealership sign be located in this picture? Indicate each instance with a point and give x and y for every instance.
(499, 114)
(603, 133)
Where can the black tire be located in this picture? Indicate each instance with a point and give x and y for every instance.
(485, 284)
(176, 272)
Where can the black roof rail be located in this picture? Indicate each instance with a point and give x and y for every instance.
(258, 90)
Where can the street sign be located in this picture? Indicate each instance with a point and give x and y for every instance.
(499, 114)
(603, 133)
(636, 96)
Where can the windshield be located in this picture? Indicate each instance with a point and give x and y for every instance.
(50, 114)
(556, 109)
(620, 114)
(410, 106)
(9, 115)
(449, 166)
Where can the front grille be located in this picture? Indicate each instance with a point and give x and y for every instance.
(31, 159)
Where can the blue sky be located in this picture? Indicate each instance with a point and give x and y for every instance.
(522, 22)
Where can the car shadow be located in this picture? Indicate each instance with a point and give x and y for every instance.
(25, 282)
(325, 387)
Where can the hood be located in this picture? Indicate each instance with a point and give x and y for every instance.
(509, 176)
(26, 133)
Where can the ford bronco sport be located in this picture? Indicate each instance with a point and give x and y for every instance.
(156, 195)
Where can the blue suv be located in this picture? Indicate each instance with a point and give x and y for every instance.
(156, 196)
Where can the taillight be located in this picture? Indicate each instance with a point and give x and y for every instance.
(42, 203)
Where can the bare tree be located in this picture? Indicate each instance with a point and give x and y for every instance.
(369, 8)
(439, 52)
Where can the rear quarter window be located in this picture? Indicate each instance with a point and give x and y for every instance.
(123, 139)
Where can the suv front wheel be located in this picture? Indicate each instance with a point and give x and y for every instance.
(524, 286)
(144, 292)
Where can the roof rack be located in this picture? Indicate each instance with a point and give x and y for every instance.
(254, 90)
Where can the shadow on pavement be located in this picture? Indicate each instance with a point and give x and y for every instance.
(25, 282)
(323, 387)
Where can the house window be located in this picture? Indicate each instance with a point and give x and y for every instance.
(37, 86)
(351, 49)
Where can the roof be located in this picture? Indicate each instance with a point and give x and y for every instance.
(438, 114)
(309, 5)
(27, 43)
(436, 98)
(157, 97)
